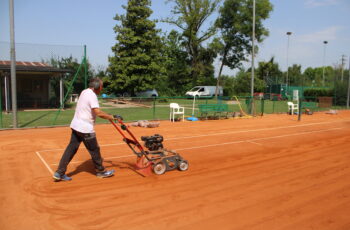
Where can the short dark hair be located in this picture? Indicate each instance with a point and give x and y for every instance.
(95, 83)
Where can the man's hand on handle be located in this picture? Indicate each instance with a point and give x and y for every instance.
(117, 117)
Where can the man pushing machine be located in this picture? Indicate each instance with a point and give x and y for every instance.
(82, 127)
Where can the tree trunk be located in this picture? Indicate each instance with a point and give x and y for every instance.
(218, 80)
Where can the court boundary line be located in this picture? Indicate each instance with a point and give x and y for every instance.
(44, 162)
(217, 134)
(252, 141)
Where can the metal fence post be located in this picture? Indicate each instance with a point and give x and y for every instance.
(299, 109)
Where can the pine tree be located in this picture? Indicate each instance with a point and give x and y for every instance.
(136, 63)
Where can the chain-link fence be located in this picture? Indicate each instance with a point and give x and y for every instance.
(158, 108)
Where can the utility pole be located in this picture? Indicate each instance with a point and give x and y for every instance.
(287, 80)
(13, 65)
(343, 59)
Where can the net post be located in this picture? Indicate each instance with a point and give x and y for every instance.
(299, 109)
(262, 106)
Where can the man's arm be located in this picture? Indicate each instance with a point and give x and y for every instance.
(102, 114)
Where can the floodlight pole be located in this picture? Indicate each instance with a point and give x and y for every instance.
(287, 80)
(13, 65)
(324, 57)
(253, 54)
(343, 59)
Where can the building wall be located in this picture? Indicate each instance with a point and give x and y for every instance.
(32, 91)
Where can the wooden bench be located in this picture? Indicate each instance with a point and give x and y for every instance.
(217, 110)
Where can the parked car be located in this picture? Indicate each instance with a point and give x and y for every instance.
(147, 93)
(204, 91)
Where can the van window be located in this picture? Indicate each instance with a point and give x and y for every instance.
(195, 89)
(201, 90)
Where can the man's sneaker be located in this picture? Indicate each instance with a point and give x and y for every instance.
(58, 177)
(104, 174)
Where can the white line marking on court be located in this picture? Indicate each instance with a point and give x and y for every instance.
(250, 130)
(259, 139)
(228, 143)
(217, 134)
(295, 134)
(42, 160)
(253, 142)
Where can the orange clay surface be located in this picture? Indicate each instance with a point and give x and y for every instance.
(271, 172)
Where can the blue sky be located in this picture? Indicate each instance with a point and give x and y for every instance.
(90, 22)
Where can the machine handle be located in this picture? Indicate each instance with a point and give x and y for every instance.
(118, 117)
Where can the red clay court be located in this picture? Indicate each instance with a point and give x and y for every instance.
(270, 172)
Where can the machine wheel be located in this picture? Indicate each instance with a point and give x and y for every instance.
(183, 166)
(159, 168)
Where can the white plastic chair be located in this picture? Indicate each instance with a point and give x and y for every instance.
(175, 109)
(292, 107)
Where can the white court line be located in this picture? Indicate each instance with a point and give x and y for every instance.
(42, 160)
(259, 139)
(217, 134)
(252, 141)
(251, 130)
(256, 143)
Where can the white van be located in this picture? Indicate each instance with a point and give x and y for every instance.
(204, 91)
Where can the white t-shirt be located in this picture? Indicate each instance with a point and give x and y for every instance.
(84, 117)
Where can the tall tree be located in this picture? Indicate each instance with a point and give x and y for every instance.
(136, 63)
(228, 83)
(177, 65)
(242, 83)
(235, 23)
(269, 72)
(189, 17)
(310, 76)
(295, 76)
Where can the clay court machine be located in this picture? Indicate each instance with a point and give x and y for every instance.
(156, 158)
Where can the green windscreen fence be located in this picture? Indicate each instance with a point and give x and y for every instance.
(137, 108)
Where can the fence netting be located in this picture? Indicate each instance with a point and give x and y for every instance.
(158, 108)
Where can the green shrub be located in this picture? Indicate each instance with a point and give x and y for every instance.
(318, 92)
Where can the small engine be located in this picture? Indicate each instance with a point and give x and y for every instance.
(154, 142)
